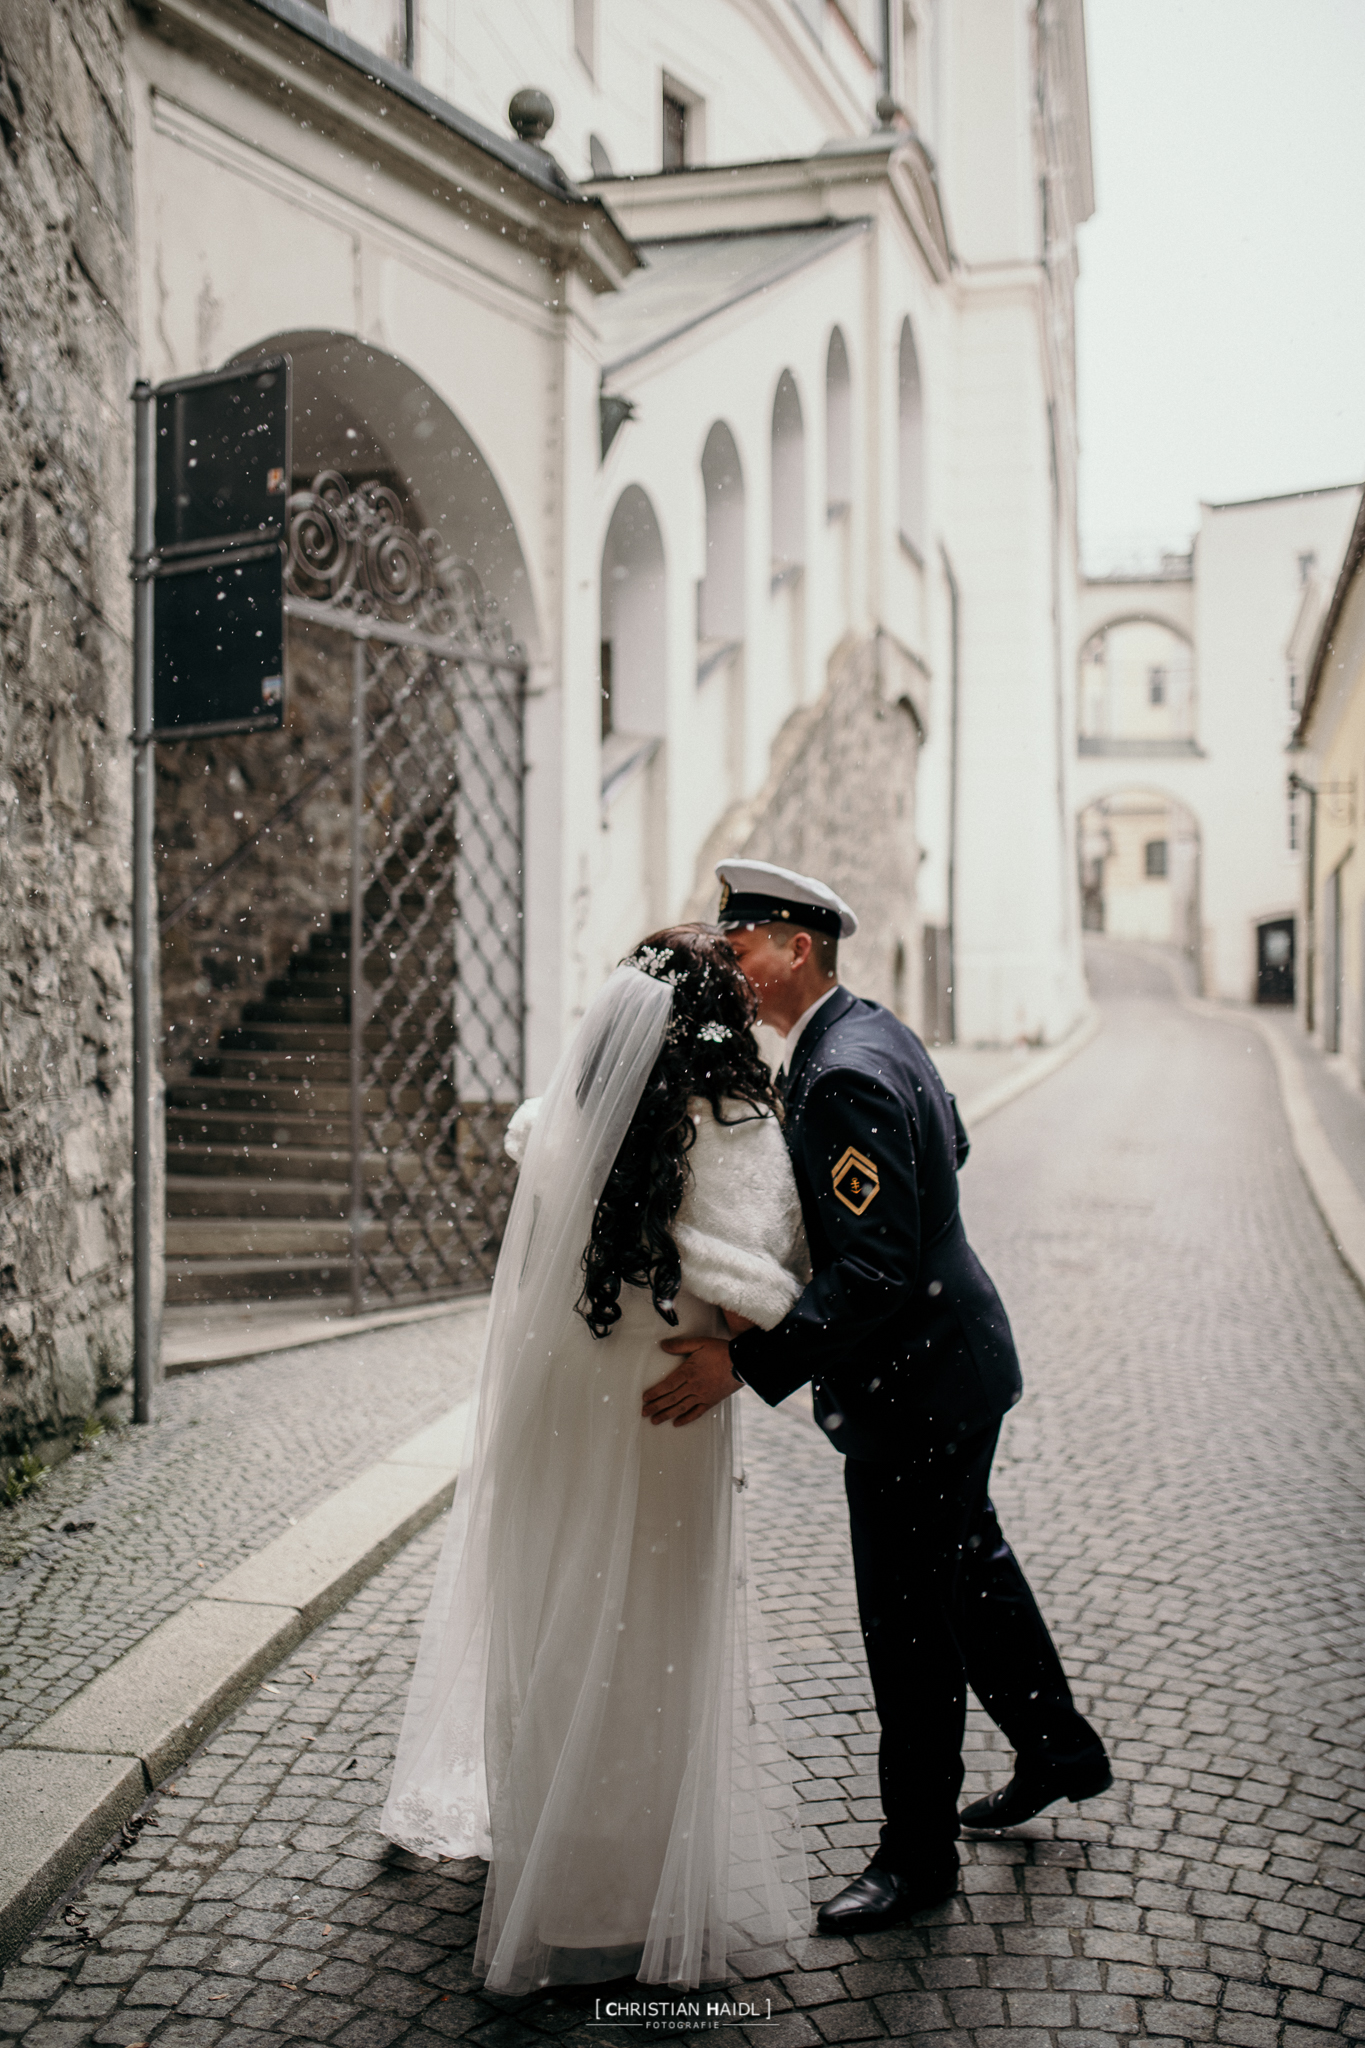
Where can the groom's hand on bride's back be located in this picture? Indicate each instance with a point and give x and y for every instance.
(702, 1378)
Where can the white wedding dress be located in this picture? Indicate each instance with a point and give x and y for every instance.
(591, 1708)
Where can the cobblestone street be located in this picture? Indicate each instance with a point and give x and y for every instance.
(1182, 1482)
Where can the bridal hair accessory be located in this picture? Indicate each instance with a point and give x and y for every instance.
(714, 1033)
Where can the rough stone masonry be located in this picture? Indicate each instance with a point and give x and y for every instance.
(66, 365)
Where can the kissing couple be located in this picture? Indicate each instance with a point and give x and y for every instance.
(591, 1709)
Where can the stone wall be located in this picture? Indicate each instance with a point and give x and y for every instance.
(66, 365)
(839, 803)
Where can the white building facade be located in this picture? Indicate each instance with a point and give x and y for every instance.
(846, 344)
(1189, 686)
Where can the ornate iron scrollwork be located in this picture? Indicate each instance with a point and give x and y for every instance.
(353, 549)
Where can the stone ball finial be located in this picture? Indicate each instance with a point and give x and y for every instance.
(531, 113)
(887, 109)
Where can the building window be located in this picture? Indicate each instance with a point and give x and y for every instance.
(604, 687)
(1155, 852)
(1156, 686)
(911, 450)
(585, 34)
(675, 132)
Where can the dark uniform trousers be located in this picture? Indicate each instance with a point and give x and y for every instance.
(913, 1365)
(944, 1605)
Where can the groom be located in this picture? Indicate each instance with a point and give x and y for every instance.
(912, 1365)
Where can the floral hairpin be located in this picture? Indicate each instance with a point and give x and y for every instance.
(656, 961)
(714, 1033)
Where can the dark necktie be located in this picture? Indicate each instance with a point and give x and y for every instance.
(781, 1082)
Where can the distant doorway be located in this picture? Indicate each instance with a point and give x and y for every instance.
(1275, 961)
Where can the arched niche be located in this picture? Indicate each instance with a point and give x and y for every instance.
(838, 426)
(720, 606)
(788, 478)
(365, 413)
(633, 636)
(910, 445)
(257, 825)
(1136, 688)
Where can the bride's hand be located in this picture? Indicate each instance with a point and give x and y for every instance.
(702, 1378)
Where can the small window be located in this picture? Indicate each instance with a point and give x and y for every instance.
(1156, 687)
(1156, 860)
(604, 686)
(675, 132)
(585, 34)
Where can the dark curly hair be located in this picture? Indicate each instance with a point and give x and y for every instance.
(710, 1050)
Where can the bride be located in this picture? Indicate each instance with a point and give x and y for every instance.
(590, 1709)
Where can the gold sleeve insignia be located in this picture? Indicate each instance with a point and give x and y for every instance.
(856, 1181)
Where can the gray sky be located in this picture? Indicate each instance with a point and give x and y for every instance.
(1221, 316)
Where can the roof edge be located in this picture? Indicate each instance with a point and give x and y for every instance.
(1322, 646)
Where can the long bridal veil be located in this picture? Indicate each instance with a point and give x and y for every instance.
(590, 1705)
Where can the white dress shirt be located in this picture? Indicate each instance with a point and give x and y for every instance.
(792, 1039)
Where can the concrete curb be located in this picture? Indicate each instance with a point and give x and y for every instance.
(1332, 1189)
(1028, 1076)
(80, 1774)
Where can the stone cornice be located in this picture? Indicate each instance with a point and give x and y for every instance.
(787, 190)
(287, 52)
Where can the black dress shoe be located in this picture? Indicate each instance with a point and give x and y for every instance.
(1034, 1786)
(881, 1897)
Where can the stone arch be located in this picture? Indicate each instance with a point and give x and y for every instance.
(910, 440)
(633, 633)
(1139, 851)
(720, 604)
(838, 425)
(1136, 686)
(365, 415)
(363, 412)
(788, 478)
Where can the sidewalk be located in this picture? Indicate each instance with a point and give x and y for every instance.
(1326, 1117)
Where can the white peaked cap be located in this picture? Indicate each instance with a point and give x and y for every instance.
(755, 892)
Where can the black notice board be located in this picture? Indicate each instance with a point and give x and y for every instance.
(222, 495)
(219, 640)
(222, 458)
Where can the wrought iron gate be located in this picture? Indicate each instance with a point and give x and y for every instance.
(436, 972)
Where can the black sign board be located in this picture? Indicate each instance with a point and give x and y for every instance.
(219, 643)
(222, 492)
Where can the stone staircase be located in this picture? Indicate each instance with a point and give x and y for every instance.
(258, 1147)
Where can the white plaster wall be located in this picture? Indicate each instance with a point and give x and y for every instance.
(1017, 959)
(1246, 596)
(765, 86)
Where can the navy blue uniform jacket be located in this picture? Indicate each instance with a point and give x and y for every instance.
(900, 1328)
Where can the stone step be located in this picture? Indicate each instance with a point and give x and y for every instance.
(302, 1163)
(297, 1009)
(327, 1099)
(254, 1279)
(289, 1237)
(321, 1276)
(304, 1131)
(298, 1069)
(317, 1038)
(196, 1195)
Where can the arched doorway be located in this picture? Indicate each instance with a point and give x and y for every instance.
(341, 900)
(633, 629)
(788, 526)
(1138, 853)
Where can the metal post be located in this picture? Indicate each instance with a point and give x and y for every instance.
(358, 654)
(146, 1307)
